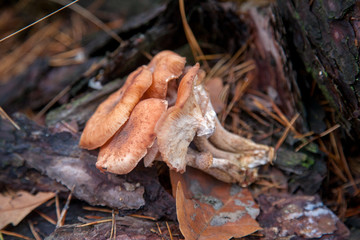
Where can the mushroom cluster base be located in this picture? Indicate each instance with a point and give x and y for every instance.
(160, 110)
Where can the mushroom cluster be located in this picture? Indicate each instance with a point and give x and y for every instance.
(149, 119)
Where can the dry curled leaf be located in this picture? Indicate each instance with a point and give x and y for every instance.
(210, 209)
(15, 207)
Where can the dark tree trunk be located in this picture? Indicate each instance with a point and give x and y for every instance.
(323, 37)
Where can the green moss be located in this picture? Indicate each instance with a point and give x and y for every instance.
(312, 147)
(309, 162)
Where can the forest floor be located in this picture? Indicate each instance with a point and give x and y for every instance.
(54, 75)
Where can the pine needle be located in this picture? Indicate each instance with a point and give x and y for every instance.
(46, 217)
(61, 220)
(14, 234)
(168, 227)
(143, 217)
(94, 223)
(286, 132)
(33, 231)
(88, 208)
(92, 18)
(4, 115)
(194, 45)
(326, 132)
(36, 22)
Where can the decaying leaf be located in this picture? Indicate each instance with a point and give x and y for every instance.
(210, 209)
(15, 207)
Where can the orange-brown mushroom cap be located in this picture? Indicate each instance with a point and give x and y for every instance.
(166, 66)
(115, 110)
(130, 144)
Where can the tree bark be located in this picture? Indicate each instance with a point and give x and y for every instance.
(324, 36)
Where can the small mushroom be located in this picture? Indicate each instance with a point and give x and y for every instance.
(166, 66)
(115, 110)
(178, 126)
(131, 143)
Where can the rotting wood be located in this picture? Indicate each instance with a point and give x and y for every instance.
(58, 156)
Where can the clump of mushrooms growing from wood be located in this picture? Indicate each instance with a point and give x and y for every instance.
(142, 120)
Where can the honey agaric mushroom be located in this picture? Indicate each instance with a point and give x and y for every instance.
(131, 128)
(131, 143)
(166, 66)
(177, 127)
(233, 158)
(115, 110)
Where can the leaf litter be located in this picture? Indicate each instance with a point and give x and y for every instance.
(210, 209)
(15, 206)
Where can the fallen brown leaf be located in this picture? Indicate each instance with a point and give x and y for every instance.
(210, 209)
(16, 206)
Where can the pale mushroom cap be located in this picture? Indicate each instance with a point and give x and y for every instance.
(166, 66)
(115, 110)
(130, 144)
(177, 127)
(157, 58)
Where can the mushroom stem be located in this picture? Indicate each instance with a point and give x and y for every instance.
(222, 169)
(231, 142)
(203, 145)
(249, 158)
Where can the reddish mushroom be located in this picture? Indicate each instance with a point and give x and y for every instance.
(129, 129)
(131, 143)
(115, 110)
(166, 66)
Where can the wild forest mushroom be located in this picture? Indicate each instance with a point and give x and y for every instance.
(130, 144)
(134, 123)
(178, 126)
(166, 66)
(115, 110)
